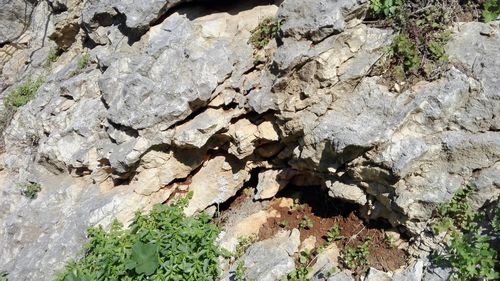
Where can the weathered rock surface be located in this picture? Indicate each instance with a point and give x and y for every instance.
(272, 259)
(175, 94)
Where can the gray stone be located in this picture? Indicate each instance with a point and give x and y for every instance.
(316, 20)
(341, 276)
(15, 18)
(272, 259)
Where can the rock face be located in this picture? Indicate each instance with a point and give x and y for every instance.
(152, 97)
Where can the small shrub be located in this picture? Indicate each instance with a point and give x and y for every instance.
(23, 93)
(491, 10)
(164, 245)
(31, 190)
(84, 61)
(355, 257)
(267, 30)
(468, 251)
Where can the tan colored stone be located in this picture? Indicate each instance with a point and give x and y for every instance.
(215, 183)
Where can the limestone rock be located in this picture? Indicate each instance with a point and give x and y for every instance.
(346, 192)
(269, 184)
(272, 259)
(377, 275)
(218, 180)
(15, 18)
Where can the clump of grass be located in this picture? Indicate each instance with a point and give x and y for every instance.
(164, 245)
(31, 190)
(23, 93)
(267, 30)
(52, 56)
(84, 61)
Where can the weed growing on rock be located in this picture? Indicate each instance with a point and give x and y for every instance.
(491, 10)
(267, 30)
(84, 61)
(355, 257)
(52, 56)
(239, 274)
(31, 190)
(385, 8)
(164, 245)
(303, 269)
(23, 93)
(418, 51)
(467, 251)
(243, 244)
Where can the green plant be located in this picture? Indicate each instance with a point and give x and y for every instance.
(301, 272)
(306, 223)
(239, 274)
(355, 257)
(164, 245)
(52, 56)
(84, 61)
(267, 30)
(23, 93)
(334, 234)
(405, 52)
(243, 244)
(283, 223)
(491, 10)
(31, 190)
(468, 251)
(3, 276)
(385, 8)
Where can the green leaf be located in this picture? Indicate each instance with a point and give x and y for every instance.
(145, 257)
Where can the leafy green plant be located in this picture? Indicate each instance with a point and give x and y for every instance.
(404, 50)
(491, 10)
(306, 223)
(239, 274)
(243, 244)
(84, 61)
(23, 93)
(31, 190)
(164, 245)
(301, 272)
(3, 276)
(355, 257)
(468, 251)
(385, 8)
(267, 30)
(334, 234)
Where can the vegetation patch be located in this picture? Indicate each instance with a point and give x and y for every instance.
(31, 190)
(491, 10)
(164, 245)
(331, 221)
(84, 61)
(267, 30)
(468, 249)
(23, 93)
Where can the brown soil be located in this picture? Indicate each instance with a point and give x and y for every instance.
(324, 213)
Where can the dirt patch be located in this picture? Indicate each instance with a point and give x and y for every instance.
(315, 215)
